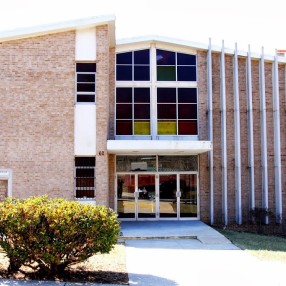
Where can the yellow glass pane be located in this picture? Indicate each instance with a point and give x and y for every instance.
(142, 128)
(167, 128)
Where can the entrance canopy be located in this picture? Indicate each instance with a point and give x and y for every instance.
(166, 147)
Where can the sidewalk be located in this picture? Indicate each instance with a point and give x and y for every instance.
(184, 253)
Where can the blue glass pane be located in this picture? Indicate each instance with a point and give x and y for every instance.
(142, 57)
(124, 58)
(186, 73)
(124, 94)
(165, 57)
(85, 98)
(142, 95)
(166, 95)
(187, 95)
(141, 73)
(185, 59)
(123, 72)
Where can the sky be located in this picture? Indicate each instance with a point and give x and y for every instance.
(246, 22)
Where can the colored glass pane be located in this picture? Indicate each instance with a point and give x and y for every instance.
(166, 73)
(142, 57)
(186, 73)
(187, 95)
(124, 111)
(124, 58)
(187, 111)
(166, 95)
(124, 127)
(187, 127)
(141, 73)
(141, 111)
(166, 111)
(167, 127)
(165, 57)
(185, 59)
(123, 72)
(124, 95)
(142, 128)
(142, 95)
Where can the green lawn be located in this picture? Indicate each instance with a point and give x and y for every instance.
(262, 246)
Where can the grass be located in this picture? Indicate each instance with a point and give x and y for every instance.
(264, 247)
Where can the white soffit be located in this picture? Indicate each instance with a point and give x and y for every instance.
(61, 27)
(158, 147)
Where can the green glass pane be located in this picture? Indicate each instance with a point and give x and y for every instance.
(167, 128)
(142, 128)
(166, 73)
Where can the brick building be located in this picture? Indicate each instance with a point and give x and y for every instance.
(155, 128)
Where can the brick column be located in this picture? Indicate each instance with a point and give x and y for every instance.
(102, 114)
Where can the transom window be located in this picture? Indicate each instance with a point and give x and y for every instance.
(173, 66)
(85, 82)
(133, 66)
(84, 177)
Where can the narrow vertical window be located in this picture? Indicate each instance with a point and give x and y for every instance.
(85, 177)
(85, 82)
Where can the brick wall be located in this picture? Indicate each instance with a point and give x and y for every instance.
(37, 114)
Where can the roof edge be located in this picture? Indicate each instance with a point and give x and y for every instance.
(195, 45)
(56, 27)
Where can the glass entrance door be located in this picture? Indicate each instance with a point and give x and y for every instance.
(146, 196)
(168, 196)
(160, 196)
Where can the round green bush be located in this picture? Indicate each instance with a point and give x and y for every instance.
(51, 234)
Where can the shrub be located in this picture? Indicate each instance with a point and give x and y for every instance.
(52, 234)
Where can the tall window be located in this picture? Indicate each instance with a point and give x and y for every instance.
(133, 66)
(85, 82)
(84, 177)
(177, 111)
(159, 87)
(132, 111)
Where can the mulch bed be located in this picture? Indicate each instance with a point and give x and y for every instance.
(101, 268)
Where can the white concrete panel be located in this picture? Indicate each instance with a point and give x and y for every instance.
(86, 45)
(166, 147)
(85, 130)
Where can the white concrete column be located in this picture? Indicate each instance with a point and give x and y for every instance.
(250, 133)
(223, 136)
(210, 129)
(264, 165)
(277, 146)
(237, 140)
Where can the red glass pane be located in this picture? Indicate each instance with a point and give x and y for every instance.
(124, 111)
(124, 127)
(187, 111)
(141, 111)
(187, 127)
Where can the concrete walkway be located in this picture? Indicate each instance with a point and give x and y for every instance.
(184, 253)
(167, 253)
